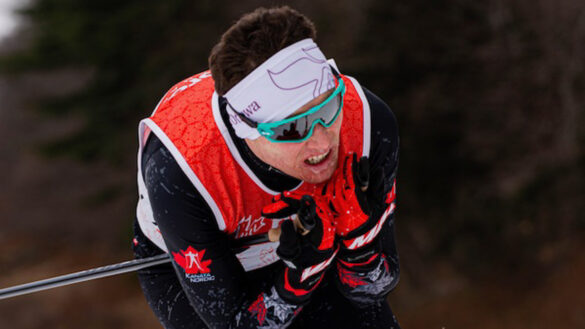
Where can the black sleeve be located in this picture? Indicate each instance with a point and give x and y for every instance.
(369, 283)
(384, 153)
(384, 138)
(209, 272)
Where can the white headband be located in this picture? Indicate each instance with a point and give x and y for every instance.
(281, 85)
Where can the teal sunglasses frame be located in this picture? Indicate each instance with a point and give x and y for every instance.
(265, 128)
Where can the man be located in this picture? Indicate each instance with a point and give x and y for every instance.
(252, 177)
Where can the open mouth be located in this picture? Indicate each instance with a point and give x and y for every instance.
(315, 160)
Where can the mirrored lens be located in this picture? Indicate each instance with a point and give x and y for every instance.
(299, 128)
(327, 113)
(293, 130)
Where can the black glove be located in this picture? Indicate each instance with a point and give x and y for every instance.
(360, 208)
(306, 251)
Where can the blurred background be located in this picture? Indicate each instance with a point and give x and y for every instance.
(489, 97)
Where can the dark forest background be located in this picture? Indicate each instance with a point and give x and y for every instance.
(489, 97)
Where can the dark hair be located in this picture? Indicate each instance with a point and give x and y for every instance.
(253, 39)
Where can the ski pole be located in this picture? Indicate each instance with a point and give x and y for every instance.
(110, 270)
(91, 274)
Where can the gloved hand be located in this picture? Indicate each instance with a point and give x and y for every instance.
(359, 206)
(308, 251)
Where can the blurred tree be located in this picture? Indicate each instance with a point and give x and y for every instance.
(489, 98)
(135, 50)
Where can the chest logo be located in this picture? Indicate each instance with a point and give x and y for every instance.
(248, 226)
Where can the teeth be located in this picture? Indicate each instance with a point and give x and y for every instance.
(318, 158)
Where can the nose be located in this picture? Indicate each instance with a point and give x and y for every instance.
(320, 138)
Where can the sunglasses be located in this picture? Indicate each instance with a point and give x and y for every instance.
(299, 128)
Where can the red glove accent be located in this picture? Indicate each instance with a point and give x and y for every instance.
(349, 202)
(355, 196)
(304, 208)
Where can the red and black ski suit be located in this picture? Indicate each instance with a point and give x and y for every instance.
(201, 193)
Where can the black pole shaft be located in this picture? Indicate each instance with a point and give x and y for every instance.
(91, 274)
(109, 270)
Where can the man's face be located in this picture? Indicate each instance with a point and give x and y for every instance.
(313, 160)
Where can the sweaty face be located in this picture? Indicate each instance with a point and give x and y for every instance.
(313, 160)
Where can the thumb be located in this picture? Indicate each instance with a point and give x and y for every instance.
(280, 207)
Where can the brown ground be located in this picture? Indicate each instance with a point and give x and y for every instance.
(529, 300)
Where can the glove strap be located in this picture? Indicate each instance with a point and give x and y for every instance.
(292, 290)
(360, 259)
(370, 235)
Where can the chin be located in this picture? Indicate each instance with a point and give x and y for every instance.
(316, 180)
(319, 178)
